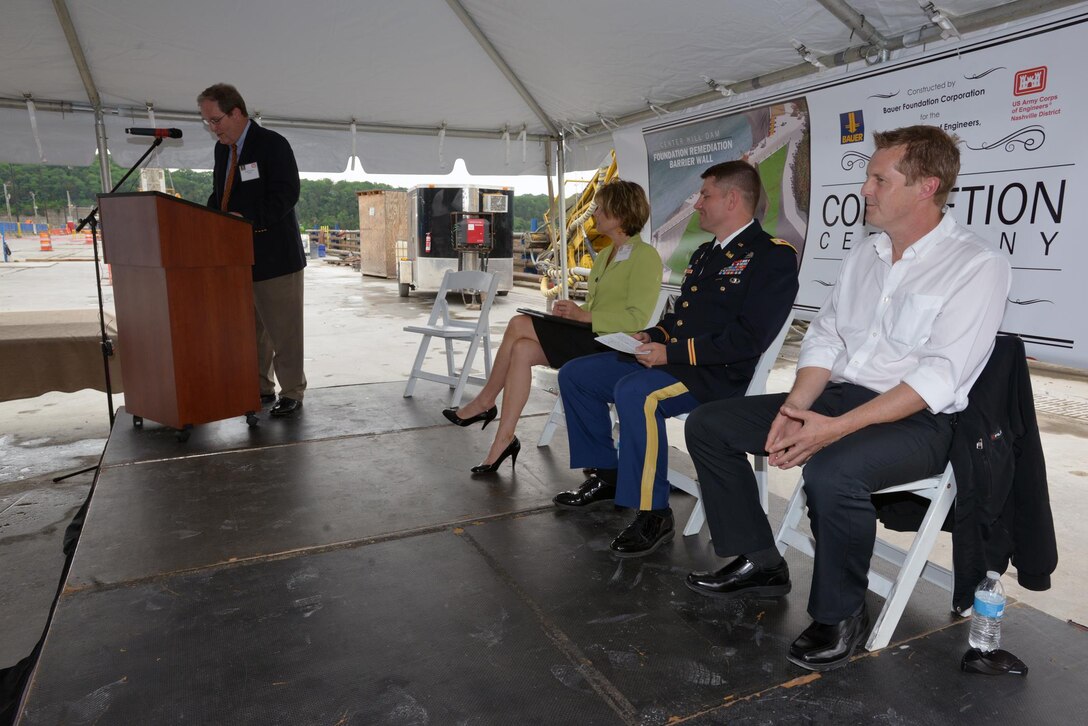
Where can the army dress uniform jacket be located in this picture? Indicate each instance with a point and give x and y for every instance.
(732, 303)
(267, 200)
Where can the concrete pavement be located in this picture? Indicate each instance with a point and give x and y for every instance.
(353, 335)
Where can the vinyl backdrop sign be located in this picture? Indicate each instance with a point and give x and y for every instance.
(1014, 102)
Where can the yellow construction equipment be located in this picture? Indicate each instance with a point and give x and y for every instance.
(583, 239)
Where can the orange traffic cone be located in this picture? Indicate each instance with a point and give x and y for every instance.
(88, 238)
(45, 241)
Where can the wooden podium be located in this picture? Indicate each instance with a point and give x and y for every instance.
(183, 292)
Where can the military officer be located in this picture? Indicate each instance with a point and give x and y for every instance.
(737, 291)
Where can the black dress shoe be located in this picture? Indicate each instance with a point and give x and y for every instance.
(594, 490)
(512, 450)
(742, 577)
(285, 407)
(267, 398)
(650, 530)
(487, 417)
(823, 647)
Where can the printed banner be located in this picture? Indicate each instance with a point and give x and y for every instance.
(1013, 102)
(774, 138)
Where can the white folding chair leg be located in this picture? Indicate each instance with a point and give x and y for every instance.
(555, 418)
(451, 369)
(757, 386)
(697, 518)
(417, 366)
(941, 493)
(686, 484)
(789, 534)
(487, 356)
(759, 468)
(915, 562)
(465, 374)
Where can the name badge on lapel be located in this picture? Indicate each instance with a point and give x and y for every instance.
(249, 171)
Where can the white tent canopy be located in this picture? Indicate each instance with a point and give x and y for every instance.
(425, 82)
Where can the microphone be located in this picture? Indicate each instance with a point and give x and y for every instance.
(157, 133)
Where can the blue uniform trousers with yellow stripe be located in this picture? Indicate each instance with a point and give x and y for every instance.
(644, 398)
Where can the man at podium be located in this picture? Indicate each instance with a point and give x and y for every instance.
(256, 178)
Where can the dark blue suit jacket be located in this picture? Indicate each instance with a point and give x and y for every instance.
(268, 201)
(732, 303)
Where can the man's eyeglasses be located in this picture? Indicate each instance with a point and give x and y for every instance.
(210, 122)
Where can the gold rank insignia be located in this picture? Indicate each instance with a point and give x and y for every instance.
(777, 241)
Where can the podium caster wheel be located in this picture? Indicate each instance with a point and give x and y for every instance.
(137, 422)
(182, 434)
(252, 420)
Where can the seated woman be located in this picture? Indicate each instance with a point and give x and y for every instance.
(623, 288)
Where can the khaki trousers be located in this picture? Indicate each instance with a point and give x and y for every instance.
(278, 307)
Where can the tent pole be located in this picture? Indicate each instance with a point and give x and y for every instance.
(103, 149)
(560, 170)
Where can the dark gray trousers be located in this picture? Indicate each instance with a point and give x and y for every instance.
(838, 483)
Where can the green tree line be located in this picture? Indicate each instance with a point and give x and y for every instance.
(321, 202)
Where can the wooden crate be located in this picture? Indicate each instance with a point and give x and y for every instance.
(383, 219)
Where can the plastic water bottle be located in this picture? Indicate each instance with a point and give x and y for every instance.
(989, 609)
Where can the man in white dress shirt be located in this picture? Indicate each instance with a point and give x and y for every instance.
(883, 369)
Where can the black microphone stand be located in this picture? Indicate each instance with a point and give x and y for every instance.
(106, 343)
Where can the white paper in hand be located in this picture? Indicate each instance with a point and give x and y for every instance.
(622, 342)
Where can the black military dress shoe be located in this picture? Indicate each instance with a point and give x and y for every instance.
(267, 398)
(742, 577)
(599, 487)
(285, 407)
(823, 647)
(650, 530)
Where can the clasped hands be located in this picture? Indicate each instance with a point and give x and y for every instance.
(797, 434)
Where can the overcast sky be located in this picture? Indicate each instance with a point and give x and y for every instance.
(524, 184)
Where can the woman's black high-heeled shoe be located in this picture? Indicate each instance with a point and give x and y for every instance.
(512, 450)
(487, 417)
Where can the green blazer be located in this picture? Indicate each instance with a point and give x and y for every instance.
(622, 295)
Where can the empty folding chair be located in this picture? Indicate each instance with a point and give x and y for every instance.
(558, 416)
(441, 324)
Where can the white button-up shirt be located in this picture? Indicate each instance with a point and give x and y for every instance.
(928, 321)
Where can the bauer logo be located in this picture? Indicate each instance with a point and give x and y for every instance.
(1032, 80)
(851, 127)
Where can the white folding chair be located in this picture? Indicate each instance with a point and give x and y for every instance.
(558, 416)
(756, 387)
(941, 492)
(442, 325)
